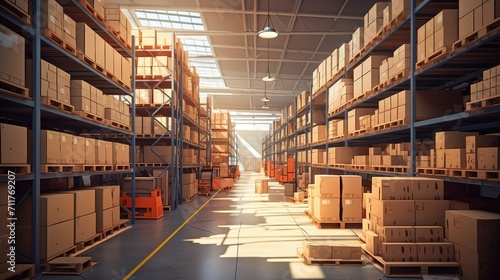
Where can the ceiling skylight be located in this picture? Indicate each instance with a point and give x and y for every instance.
(207, 69)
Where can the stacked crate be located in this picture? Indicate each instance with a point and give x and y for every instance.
(438, 33)
(487, 88)
(482, 152)
(336, 128)
(474, 15)
(85, 214)
(374, 21)
(118, 21)
(450, 149)
(107, 207)
(189, 186)
(405, 220)
(367, 75)
(340, 93)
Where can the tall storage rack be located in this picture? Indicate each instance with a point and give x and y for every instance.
(205, 121)
(22, 110)
(457, 68)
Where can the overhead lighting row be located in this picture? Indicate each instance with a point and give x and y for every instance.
(268, 32)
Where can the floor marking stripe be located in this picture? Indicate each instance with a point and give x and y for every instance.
(145, 260)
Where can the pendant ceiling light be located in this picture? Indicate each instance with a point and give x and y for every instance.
(268, 32)
(267, 77)
(265, 98)
(265, 106)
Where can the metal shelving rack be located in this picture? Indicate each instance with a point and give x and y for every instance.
(30, 113)
(457, 68)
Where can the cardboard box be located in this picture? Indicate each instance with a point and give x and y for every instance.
(440, 158)
(429, 233)
(392, 188)
(352, 210)
(12, 52)
(487, 158)
(13, 144)
(106, 197)
(345, 252)
(78, 156)
(56, 238)
(351, 186)
(104, 220)
(427, 188)
(431, 212)
(84, 201)
(298, 196)
(85, 40)
(261, 186)
(435, 252)
(393, 212)
(455, 158)
(316, 249)
(327, 210)
(85, 227)
(327, 186)
(399, 252)
(165, 152)
(472, 143)
(66, 148)
(476, 266)
(318, 133)
(373, 243)
(398, 234)
(475, 230)
(100, 152)
(90, 150)
(451, 139)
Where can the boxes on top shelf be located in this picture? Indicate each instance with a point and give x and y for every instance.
(14, 144)
(12, 68)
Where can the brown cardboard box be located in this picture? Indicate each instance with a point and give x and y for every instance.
(399, 252)
(431, 212)
(106, 197)
(100, 153)
(310, 199)
(327, 210)
(90, 151)
(466, 25)
(393, 212)
(373, 243)
(298, 196)
(56, 238)
(427, 188)
(429, 233)
(392, 188)
(66, 148)
(440, 158)
(12, 53)
(487, 158)
(472, 143)
(455, 158)
(345, 252)
(340, 155)
(163, 151)
(435, 252)
(13, 143)
(78, 150)
(104, 220)
(85, 40)
(351, 186)
(50, 146)
(84, 200)
(474, 229)
(318, 133)
(54, 208)
(327, 186)
(261, 186)
(451, 139)
(116, 215)
(85, 227)
(476, 266)
(316, 249)
(117, 64)
(352, 210)
(100, 51)
(398, 234)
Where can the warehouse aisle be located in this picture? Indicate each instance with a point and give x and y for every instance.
(237, 235)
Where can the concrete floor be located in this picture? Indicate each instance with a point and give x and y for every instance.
(237, 235)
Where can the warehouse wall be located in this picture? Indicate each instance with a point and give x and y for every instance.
(248, 140)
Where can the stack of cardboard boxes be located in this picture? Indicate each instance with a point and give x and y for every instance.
(482, 152)
(261, 186)
(474, 15)
(398, 63)
(107, 207)
(303, 181)
(336, 128)
(13, 144)
(450, 149)
(438, 33)
(318, 133)
(336, 198)
(318, 156)
(353, 118)
(488, 87)
(330, 250)
(367, 75)
(340, 93)
(85, 214)
(118, 21)
(55, 83)
(405, 220)
(340, 155)
(87, 98)
(189, 185)
(475, 236)
(374, 21)
(52, 11)
(12, 68)
(302, 100)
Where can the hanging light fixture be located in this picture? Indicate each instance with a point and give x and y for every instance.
(268, 32)
(267, 77)
(265, 99)
(265, 106)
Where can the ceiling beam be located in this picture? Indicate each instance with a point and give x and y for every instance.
(262, 49)
(176, 7)
(246, 91)
(226, 33)
(218, 58)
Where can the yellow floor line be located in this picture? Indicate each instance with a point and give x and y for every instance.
(145, 260)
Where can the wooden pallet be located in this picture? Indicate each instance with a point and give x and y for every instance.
(89, 116)
(359, 132)
(341, 166)
(8, 87)
(399, 76)
(19, 169)
(15, 11)
(117, 125)
(392, 169)
(433, 171)
(411, 269)
(433, 57)
(396, 20)
(391, 125)
(335, 138)
(118, 36)
(340, 225)
(58, 168)
(92, 11)
(190, 198)
(56, 104)
(60, 41)
(23, 271)
(476, 35)
(313, 261)
(121, 167)
(167, 208)
(65, 253)
(89, 242)
(69, 265)
(356, 167)
(493, 175)
(483, 103)
(123, 224)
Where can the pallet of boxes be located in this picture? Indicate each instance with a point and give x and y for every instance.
(404, 227)
(335, 201)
